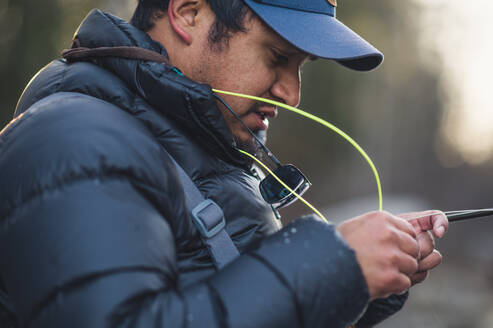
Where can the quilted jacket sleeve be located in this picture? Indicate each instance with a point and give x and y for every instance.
(380, 309)
(84, 244)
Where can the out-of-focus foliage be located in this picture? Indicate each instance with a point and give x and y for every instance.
(393, 112)
(33, 34)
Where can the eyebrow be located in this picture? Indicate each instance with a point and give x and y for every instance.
(290, 49)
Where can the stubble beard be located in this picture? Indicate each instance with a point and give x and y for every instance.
(251, 145)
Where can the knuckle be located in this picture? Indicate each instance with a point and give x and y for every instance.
(406, 283)
(380, 216)
(395, 279)
(386, 214)
(389, 217)
(400, 283)
(377, 217)
(394, 258)
(375, 213)
(390, 277)
(389, 234)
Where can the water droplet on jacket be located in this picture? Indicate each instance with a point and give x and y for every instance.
(287, 240)
(286, 234)
(293, 230)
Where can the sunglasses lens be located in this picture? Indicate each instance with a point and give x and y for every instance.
(292, 198)
(274, 193)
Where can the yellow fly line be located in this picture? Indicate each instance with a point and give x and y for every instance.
(324, 123)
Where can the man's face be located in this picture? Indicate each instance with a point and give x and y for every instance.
(256, 62)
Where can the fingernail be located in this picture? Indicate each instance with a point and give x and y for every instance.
(440, 231)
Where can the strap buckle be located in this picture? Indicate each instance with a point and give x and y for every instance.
(208, 218)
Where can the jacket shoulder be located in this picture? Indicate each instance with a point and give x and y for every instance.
(80, 77)
(68, 137)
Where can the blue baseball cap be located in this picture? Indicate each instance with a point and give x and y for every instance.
(311, 26)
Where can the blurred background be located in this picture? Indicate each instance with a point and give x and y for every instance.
(425, 117)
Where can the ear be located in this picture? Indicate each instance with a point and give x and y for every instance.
(182, 15)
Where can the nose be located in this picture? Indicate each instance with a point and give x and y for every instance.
(287, 86)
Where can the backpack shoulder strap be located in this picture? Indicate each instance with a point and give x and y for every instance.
(208, 217)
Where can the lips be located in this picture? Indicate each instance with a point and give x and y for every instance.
(262, 114)
(267, 111)
(261, 122)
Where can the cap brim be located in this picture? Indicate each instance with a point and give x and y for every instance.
(320, 35)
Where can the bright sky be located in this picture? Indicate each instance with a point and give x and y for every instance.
(461, 33)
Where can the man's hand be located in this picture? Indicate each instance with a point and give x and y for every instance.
(387, 250)
(427, 224)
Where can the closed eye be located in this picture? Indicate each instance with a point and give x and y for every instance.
(279, 59)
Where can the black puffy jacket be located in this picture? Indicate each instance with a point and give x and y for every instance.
(94, 227)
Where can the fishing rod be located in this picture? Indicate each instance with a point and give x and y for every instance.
(455, 216)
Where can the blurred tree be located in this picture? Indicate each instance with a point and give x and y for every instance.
(25, 47)
(33, 34)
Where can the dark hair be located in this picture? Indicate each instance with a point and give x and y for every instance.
(230, 16)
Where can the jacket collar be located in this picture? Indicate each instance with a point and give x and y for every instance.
(189, 103)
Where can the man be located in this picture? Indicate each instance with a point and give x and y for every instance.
(96, 225)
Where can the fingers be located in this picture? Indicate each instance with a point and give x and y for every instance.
(404, 226)
(418, 277)
(426, 244)
(406, 264)
(409, 245)
(430, 262)
(440, 224)
(428, 220)
(395, 283)
(401, 283)
(424, 266)
(388, 248)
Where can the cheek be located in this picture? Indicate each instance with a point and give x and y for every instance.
(257, 80)
(252, 74)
